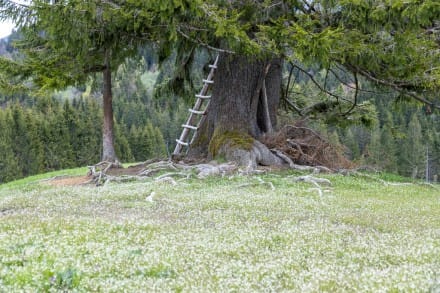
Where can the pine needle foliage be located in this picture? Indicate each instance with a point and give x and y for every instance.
(393, 43)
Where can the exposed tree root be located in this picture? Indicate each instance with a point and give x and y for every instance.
(292, 165)
(99, 171)
(205, 170)
(102, 173)
(315, 181)
(250, 158)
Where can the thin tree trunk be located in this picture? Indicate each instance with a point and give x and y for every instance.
(108, 149)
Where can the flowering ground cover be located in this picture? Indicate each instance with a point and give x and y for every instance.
(240, 233)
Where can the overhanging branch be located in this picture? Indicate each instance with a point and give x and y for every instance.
(356, 81)
(322, 89)
(392, 85)
(203, 44)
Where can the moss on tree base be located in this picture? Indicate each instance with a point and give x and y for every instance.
(231, 139)
(241, 148)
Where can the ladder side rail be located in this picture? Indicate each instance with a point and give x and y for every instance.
(198, 125)
(196, 107)
(178, 147)
(205, 88)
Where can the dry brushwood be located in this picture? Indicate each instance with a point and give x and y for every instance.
(305, 149)
(99, 171)
(292, 165)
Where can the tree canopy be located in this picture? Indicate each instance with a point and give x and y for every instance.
(391, 43)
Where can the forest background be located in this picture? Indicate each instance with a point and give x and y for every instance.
(63, 130)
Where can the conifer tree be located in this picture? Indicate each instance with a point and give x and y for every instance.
(350, 142)
(387, 159)
(20, 138)
(374, 148)
(159, 144)
(35, 163)
(122, 147)
(413, 149)
(382, 149)
(87, 142)
(134, 140)
(9, 167)
(59, 152)
(149, 140)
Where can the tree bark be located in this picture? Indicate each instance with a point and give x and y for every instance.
(108, 149)
(244, 104)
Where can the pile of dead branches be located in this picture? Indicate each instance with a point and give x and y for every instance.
(304, 146)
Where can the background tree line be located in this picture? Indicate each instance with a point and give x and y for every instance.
(39, 134)
(388, 132)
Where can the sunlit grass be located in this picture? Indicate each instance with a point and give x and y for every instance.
(220, 234)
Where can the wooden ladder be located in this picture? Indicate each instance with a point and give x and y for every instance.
(196, 114)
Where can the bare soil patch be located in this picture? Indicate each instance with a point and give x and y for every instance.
(68, 180)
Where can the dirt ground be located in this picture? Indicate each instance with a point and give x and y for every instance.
(86, 179)
(67, 181)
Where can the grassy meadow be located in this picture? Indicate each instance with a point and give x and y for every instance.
(234, 233)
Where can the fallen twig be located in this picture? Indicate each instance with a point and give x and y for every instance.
(294, 166)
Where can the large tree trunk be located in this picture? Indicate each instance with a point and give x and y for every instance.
(244, 103)
(108, 149)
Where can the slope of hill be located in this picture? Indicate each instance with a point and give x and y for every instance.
(264, 232)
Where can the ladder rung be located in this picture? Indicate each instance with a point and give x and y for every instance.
(182, 142)
(208, 81)
(203, 97)
(189, 126)
(197, 112)
(213, 66)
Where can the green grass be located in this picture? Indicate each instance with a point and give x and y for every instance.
(35, 180)
(220, 234)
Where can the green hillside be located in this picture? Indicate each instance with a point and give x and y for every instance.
(267, 232)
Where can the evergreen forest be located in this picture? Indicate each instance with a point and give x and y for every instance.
(44, 132)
